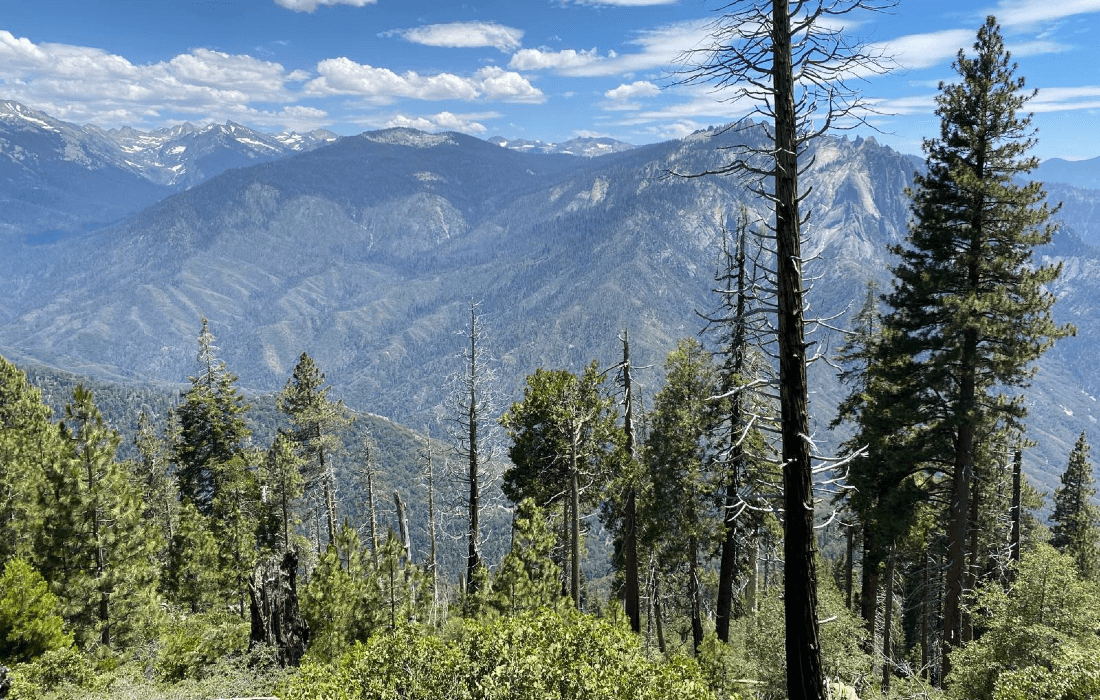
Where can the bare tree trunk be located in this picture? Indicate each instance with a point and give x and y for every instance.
(754, 576)
(330, 496)
(403, 526)
(728, 566)
(888, 622)
(473, 557)
(849, 564)
(575, 545)
(805, 676)
(1017, 485)
(630, 533)
(433, 564)
(695, 595)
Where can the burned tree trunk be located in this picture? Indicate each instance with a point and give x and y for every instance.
(276, 618)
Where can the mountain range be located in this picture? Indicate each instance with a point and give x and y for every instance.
(366, 251)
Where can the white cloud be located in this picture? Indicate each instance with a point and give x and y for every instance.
(443, 121)
(342, 76)
(659, 49)
(507, 86)
(83, 84)
(925, 50)
(311, 5)
(1065, 99)
(640, 88)
(622, 97)
(1028, 12)
(464, 35)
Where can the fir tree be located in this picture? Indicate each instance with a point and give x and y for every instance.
(968, 313)
(563, 434)
(315, 418)
(1076, 529)
(30, 615)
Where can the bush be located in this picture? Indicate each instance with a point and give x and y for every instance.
(193, 645)
(530, 657)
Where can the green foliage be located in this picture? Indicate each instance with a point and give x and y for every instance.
(193, 646)
(529, 657)
(29, 444)
(1076, 529)
(60, 673)
(1039, 633)
(30, 619)
(194, 574)
(342, 603)
(527, 578)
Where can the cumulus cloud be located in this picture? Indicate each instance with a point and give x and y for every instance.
(624, 96)
(342, 76)
(311, 5)
(464, 35)
(84, 84)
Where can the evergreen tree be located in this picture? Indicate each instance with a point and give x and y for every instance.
(1076, 529)
(968, 314)
(212, 427)
(315, 418)
(527, 578)
(563, 435)
(678, 522)
(30, 615)
(29, 442)
(281, 485)
(342, 603)
(159, 492)
(102, 563)
(194, 575)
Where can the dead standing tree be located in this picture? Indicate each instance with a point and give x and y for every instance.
(789, 61)
(473, 428)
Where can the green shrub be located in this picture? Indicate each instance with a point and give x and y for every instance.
(193, 645)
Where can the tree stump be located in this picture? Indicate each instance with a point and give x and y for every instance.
(276, 619)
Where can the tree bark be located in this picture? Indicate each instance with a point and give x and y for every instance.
(888, 621)
(630, 532)
(805, 676)
(1017, 485)
(276, 618)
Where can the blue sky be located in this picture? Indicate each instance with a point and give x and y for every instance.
(535, 69)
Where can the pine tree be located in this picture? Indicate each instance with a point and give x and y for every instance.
(30, 615)
(678, 522)
(315, 418)
(968, 314)
(212, 427)
(563, 435)
(1076, 529)
(103, 551)
(29, 443)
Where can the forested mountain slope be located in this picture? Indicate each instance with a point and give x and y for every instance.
(367, 252)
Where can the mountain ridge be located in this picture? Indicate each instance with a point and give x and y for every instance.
(367, 251)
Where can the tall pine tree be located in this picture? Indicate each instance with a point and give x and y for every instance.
(968, 314)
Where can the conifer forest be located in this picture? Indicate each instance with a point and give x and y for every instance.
(604, 534)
